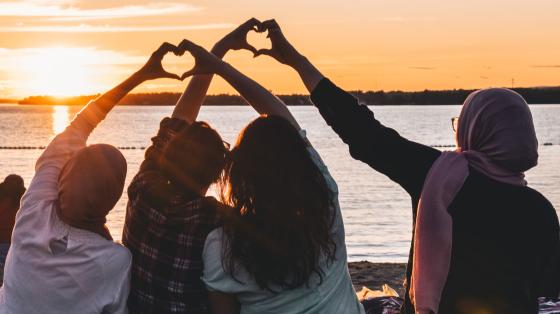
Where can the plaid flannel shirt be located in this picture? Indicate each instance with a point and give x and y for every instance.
(165, 230)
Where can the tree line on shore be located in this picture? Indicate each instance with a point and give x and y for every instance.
(547, 95)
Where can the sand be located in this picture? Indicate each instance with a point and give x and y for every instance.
(374, 275)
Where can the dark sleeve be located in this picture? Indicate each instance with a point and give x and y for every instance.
(382, 148)
(168, 127)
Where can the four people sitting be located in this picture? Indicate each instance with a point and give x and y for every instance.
(483, 241)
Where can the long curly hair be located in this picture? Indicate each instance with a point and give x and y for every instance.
(281, 224)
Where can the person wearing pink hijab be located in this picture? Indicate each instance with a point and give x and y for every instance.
(62, 258)
(496, 138)
(483, 241)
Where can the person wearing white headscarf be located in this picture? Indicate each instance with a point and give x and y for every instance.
(62, 257)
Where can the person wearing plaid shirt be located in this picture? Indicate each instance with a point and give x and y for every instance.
(168, 215)
(166, 226)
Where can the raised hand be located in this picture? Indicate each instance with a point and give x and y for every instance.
(205, 62)
(188, 105)
(153, 69)
(281, 49)
(237, 39)
(285, 53)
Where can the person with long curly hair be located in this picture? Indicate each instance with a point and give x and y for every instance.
(281, 248)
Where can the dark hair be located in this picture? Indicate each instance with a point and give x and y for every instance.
(195, 157)
(281, 223)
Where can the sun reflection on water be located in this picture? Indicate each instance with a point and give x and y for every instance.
(60, 118)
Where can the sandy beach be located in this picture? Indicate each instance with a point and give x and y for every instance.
(374, 275)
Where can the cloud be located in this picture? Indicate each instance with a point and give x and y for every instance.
(14, 59)
(5, 85)
(86, 28)
(400, 19)
(422, 68)
(549, 66)
(63, 70)
(387, 19)
(52, 16)
(64, 10)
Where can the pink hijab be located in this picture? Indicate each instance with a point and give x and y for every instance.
(496, 137)
(90, 185)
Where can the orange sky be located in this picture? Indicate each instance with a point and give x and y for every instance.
(68, 47)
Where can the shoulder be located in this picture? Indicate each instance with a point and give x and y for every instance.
(214, 274)
(538, 197)
(213, 245)
(547, 210)
(522, 202)
(118, 259)
(212, 257)
(151, 186)
(313, 154)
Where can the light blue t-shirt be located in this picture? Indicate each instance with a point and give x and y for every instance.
(334, 295)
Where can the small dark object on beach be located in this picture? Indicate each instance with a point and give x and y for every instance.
(383, 305)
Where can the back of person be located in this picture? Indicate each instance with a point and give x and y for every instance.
(333, 293)
(502, 240)
(62, 258)
(168, 218)
(167, 252)
(272, 232)
(56, 265)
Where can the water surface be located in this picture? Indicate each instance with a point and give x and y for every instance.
(377, 212)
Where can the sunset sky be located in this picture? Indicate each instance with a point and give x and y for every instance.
(72, 47)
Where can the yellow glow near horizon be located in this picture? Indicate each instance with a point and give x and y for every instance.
(361, 45)
(57, 71)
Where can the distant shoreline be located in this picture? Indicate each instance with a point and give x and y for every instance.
(544, 95)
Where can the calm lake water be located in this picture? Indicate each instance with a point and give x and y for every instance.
(376, 211)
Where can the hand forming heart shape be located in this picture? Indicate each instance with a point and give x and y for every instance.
(259, 40)
(177, 61)
(203, 63)
(153, 69)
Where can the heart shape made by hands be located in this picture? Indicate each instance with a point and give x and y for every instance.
(259, 40)
(178, 64)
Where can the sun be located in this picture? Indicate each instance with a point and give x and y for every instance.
(58, 71)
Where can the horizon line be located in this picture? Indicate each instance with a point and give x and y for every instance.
(291, 94)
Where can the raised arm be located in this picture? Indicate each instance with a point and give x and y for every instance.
(257, 96)
(405, 162)
(285, 53)
(45, 182)
(188, 106)
(150, 71)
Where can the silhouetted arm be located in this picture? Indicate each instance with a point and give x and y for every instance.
(151, 70)
(44, 185)
(188, 106)
(405, 162)
(285, 53)
(257, 96)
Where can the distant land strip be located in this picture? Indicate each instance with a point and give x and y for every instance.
(535, 95)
